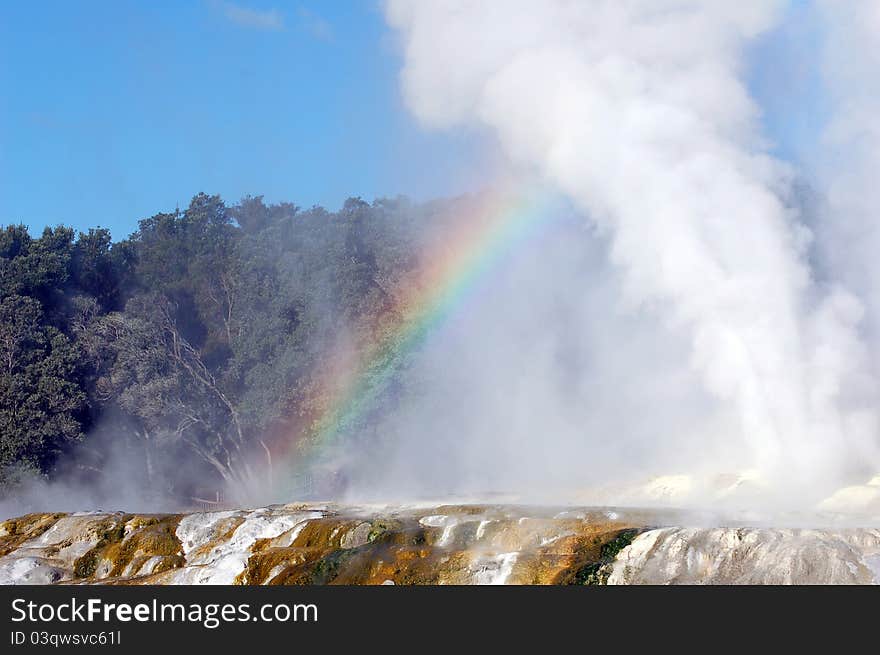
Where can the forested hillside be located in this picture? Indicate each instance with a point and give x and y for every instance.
(183, 346)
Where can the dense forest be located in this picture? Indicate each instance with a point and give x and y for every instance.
(186, 344)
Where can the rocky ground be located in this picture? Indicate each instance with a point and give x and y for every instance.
(462, 544)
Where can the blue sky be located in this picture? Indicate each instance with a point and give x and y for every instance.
(111, 111)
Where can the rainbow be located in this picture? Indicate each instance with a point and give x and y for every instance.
(481, 235)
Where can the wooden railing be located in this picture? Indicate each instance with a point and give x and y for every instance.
(208, 504)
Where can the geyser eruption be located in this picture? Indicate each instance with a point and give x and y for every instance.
(647, 354)
(849, 153)
(638, 112)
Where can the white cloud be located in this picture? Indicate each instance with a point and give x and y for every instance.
(315, 25)
(268, 19)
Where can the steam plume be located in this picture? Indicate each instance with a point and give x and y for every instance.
(637, 111)
(850, 152)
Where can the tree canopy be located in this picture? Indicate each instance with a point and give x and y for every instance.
(188, 344)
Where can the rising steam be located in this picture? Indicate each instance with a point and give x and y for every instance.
(689, 309)
(637, 111)
(849, 156)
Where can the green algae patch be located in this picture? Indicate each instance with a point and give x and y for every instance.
(379, 529)
(596, 573)
(327, 568)
(108, 531)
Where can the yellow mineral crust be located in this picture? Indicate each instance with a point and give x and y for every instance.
(15, 532)
(307, 544)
